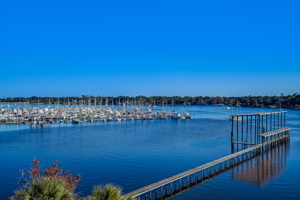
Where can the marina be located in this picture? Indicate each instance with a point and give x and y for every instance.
(39, 116)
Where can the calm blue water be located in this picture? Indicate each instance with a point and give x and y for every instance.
(134, 154)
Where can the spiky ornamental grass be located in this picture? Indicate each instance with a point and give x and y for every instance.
(45, 188)
(107, 192)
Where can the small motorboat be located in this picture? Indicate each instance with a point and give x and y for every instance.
(176, 115)
(76, 121)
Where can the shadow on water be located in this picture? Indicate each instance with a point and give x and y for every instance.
(265, 167)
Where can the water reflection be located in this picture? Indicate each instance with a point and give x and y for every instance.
(263, 168)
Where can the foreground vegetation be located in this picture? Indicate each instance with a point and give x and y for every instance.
(54, 184)
(284, 101)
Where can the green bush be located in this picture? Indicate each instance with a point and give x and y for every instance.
(107, 192)
(44, 188)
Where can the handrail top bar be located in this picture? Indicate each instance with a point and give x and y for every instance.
(270, 133)
(259, 113)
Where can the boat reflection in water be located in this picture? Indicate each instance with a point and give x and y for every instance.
(263, 168)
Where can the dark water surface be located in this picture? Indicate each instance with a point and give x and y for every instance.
(133, 154)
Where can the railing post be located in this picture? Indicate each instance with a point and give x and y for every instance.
(232, 136)
(263, 125)
(243, 146)
(284, 119)
(237, 131)
(251, 136)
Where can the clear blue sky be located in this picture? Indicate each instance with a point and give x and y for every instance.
(215, 47)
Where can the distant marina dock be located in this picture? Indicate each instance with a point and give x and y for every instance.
(39, 116)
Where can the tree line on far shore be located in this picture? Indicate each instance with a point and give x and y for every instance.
(283, 101)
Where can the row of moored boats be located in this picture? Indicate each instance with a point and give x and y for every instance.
(76, 115)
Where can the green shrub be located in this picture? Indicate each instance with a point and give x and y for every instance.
(44, 188)
(107, 192)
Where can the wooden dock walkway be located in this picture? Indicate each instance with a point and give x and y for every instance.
(173, 185)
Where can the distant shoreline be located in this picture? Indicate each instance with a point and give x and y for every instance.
(297, 108)
(287, 102)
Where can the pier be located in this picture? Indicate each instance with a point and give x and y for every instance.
(255, 128)
(251, 135)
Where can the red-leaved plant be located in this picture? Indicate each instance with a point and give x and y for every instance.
(52, 172)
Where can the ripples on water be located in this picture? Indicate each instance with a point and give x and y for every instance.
(136, 153)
